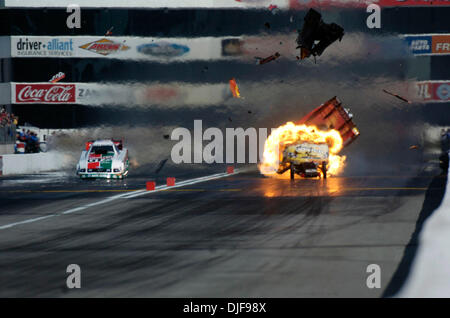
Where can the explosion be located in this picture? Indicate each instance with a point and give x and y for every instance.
(291, 133)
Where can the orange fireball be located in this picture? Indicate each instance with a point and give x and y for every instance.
(289, 134)
(234, 88)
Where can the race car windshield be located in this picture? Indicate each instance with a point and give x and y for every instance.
(102, 150)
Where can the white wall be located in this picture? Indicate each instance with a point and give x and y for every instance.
(430, 272)
(6, 149)
(34, 163)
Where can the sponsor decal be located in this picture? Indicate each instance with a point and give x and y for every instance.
(441, 44)
(38, 47)
(93, 165)
(433, 91)
(419, 44)
(45, 93)
(429, 44)
(104, 47)
(443, 91)
(163, 49)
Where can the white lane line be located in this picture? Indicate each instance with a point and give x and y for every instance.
(124, 195)
(180, 184)
(7, 226)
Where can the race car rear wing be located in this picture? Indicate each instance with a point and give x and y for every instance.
(331, 115)
(117, 142)
(89, 144)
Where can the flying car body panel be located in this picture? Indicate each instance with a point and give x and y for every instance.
(332, 115)
(317, 35)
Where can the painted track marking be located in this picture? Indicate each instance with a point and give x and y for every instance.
(121, 196)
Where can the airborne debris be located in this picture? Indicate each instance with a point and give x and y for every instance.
(414, 147)
(161, 165)
(166, 136)
(249, 111)
(57, 77)
(229, 118)
(274, 9)
(234, 88)
(398, 96)
(268, 59)
(267, 25)
(314, 29)
(109, 32)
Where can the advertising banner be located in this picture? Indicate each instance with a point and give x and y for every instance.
(410, 3)
(44, 93)
(174, 94)
(138, 48)
(428, 44)
(244, 4)
(433, 91)
(324, 4)
(145, 3)
(133, 94)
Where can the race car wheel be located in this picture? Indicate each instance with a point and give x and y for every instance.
(292, 172)
(324, 169)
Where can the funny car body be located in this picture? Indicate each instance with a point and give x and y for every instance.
(103, 159)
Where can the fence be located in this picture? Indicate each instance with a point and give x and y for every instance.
(7, 134)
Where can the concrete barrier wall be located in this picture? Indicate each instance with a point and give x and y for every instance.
(430, 272)
(33, 163)
(6, 149)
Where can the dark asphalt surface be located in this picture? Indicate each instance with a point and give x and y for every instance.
(241, 236)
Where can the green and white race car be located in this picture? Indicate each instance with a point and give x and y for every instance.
(103, 159)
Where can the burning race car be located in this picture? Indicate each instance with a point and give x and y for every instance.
(306, 159)
(310, 147)
(103, 159)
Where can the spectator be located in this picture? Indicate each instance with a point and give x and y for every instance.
(31, 140)
(22, 136)
(7, 118)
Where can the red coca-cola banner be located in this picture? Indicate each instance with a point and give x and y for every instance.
(45, 93)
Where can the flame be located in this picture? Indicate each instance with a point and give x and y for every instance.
(291, 133)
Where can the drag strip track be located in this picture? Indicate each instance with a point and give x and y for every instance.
(241, 236)
(131, 194)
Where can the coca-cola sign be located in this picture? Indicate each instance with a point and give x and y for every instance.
(45, 93)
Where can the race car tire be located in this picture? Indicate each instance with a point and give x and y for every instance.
(324, 169)
(292, 172)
